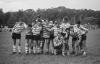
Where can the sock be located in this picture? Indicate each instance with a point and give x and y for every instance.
(38, 50)
(34, 49)
(26, 47)
(84, 53)
(68, 53)
(14, 48)
(19, 49)
(29, 50)
(55, 52)
(41, 44)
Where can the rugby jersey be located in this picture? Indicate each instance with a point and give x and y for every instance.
(58, 41)
(19, 28)
(51, 25)
(83, 29)
(46, 33)
(77, 31)
(64, 26)
(28, 31)
(36, 30)
(56, 30)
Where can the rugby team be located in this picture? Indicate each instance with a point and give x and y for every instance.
(43, 32)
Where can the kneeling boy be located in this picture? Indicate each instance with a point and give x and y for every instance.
(58, 43)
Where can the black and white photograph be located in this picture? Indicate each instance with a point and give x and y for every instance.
(49, 32)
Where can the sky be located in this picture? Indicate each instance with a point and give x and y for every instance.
(15, 5)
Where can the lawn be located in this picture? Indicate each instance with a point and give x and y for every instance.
(93, 52)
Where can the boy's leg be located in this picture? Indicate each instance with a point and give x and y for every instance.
(19, 46)
(77, 47)
(34, 46)
(74, 40)
(84, 47)
(55, 51)
(27, 46)
(47, 45)
(73, 47)
(67, 46)
(31, 43)
(43, 42)
(38, 46)
(14, 46)
(63, 49)
(52, 45)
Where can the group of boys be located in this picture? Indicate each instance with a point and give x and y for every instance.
(43, 32)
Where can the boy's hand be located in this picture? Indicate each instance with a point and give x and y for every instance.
(11, 34)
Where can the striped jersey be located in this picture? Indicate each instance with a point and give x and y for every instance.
(36, 30)
(56, 30)
(83, 29)
(77, 31)
(51, 25)
(64, 26)
(46, 32)
(18, 28)
(28, 31)
(58, 41)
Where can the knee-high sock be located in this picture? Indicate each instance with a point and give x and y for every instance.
(26, 47)
(14, 48)
(19, 49)
(34, 49)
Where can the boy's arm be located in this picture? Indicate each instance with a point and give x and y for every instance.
(55, 41)
(84, 29)
(13, 28)
(48, 29)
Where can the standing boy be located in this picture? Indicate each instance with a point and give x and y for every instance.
(16, 35)
(28, 39)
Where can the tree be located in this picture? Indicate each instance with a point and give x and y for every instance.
(11, 21)
(7, 15)
(20, 14)
(1, 17)
(26, 19)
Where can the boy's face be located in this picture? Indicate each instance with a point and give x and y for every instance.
(59, 35)
(33, 23)
(51, 22)
(71, 29)
(47, 21)
(20, 23)
(38, 23)
(57, 25)
(78, 25)
(65, 21)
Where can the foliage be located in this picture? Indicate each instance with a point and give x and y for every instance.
(54, 14)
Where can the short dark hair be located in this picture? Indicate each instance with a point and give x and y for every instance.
(20, 19)
(38, 16)
(66, 18)
(29, 25)
(78, 22)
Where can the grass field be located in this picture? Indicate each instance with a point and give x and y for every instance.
(93, 52)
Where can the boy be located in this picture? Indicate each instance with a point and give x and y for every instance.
(16, 34)
(39, 28)
(46, 35)
(55, 30)
(36, 36)
(76, 36)
(58, 43)
(65, 33)
(83, 37)
(28, 39)
(51, 32)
